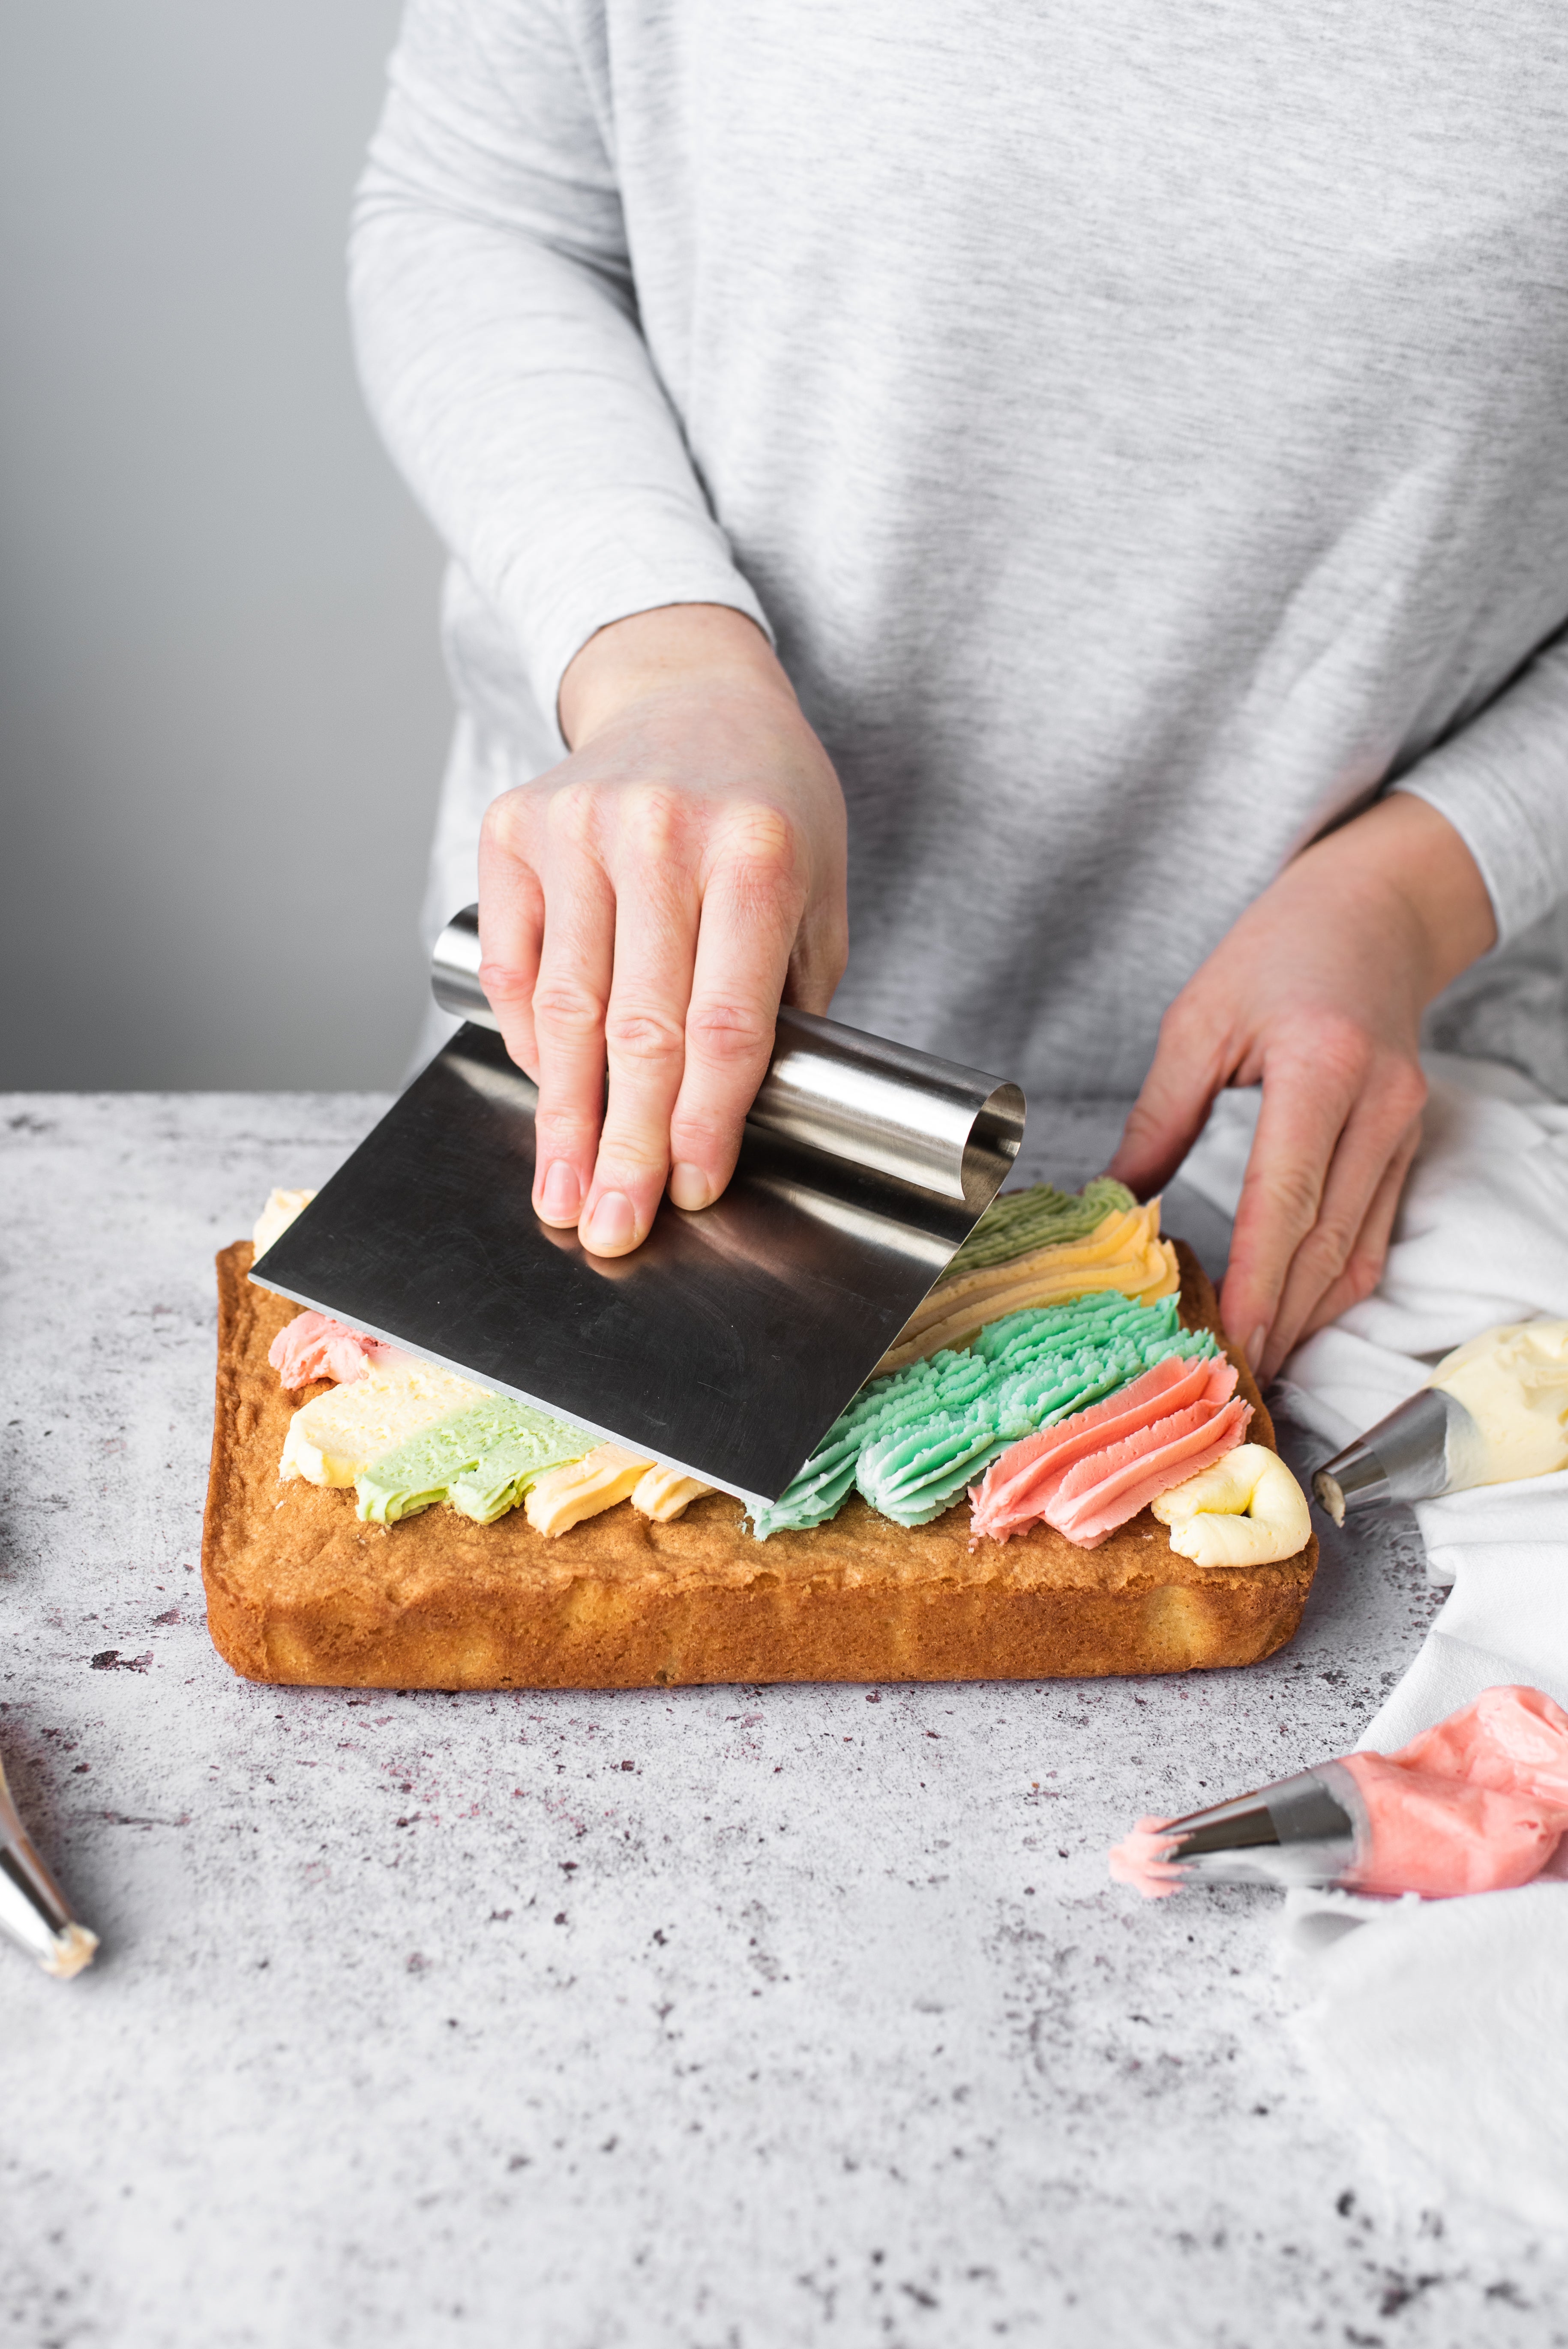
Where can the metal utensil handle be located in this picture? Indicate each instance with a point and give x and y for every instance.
(933, 1123)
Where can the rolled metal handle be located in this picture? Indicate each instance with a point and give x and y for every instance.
(943, 1128)
(454, 971)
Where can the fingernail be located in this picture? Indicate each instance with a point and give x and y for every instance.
(690, 1186)
(611, 1226)
(1256, 1345)
(562, 1194)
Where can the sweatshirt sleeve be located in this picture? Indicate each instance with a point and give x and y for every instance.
(1502, 779)
(495, 326)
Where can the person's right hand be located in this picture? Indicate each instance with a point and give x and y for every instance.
(645, 906)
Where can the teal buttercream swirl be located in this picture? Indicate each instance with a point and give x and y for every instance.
(912, 1441)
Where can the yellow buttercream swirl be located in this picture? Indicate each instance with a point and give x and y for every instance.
(1123, 1252)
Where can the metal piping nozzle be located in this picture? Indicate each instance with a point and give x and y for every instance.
(1430, 1444)
(33, 1911)
(1306, 1829)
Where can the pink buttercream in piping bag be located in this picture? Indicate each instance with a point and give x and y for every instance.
(1515, 1739)
(314, 1346)
(1095, 1471)
(1440, 1836)
(1476, 1805)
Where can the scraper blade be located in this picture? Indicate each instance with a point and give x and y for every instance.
(729, 1341)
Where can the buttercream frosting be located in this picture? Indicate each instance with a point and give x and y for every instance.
(1513, 1382)
(313, 1346)
(1139, 1859)
(281, 1208)
(663, 1493)
(1246, 1509)
(1021, 1220)
(1096, 1470)
(1124, 1252)
(334, 1437)
(598, 1480)
(913, 1441)
(1441, 1835)
(481, 1460)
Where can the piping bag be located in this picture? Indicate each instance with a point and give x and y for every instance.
(33, 1911)
(728, 1343)
(1476, 1805)
(1494, 1409)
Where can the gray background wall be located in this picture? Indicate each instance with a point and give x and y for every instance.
(222, 710)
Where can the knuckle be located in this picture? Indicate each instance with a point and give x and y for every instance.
(508, 987)
(702, 1135)
(1196, 1027)
(498, 824)
(1403, 1092)
(761, 847)
(1340, 1047)
(1362, 1273)
(653, 824)
(730, 1034)
(565, 1133)
(509, 821)
(1327, 1248)
(567, 1009)
(628, 1162)
(1182, 1019)
(1196, 1050)
(572, 819)
(643, 1034)
(1292, 1194)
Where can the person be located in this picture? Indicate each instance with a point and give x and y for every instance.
(1044, 529)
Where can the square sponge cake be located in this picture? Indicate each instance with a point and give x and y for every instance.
(299, 1592)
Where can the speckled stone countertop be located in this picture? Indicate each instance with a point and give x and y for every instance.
(720, 2018)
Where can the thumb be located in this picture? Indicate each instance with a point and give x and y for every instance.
(1173, 1107)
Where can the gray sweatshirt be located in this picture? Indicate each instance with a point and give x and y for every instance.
(1143, 430)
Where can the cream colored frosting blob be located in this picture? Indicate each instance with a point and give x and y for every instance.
(664, 1493)
(564, 1497)
(276, 1218)
(1513, 1382)
(1246, 1510)
(335, 1438)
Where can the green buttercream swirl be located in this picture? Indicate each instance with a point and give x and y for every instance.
(480, 1461)
(913, 1441)
(1022, 1221)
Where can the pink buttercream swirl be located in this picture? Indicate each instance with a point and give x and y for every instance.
(1139, 1859)
(314, 1346)
(1093, 1472)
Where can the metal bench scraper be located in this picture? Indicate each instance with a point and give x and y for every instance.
(729, 1341)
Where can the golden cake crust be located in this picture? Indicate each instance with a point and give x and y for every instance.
(299, 1592)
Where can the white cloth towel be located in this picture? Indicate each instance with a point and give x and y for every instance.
(1448, 2023)
(1444, 2026)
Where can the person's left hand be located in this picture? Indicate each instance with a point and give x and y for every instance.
(1316, 993)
